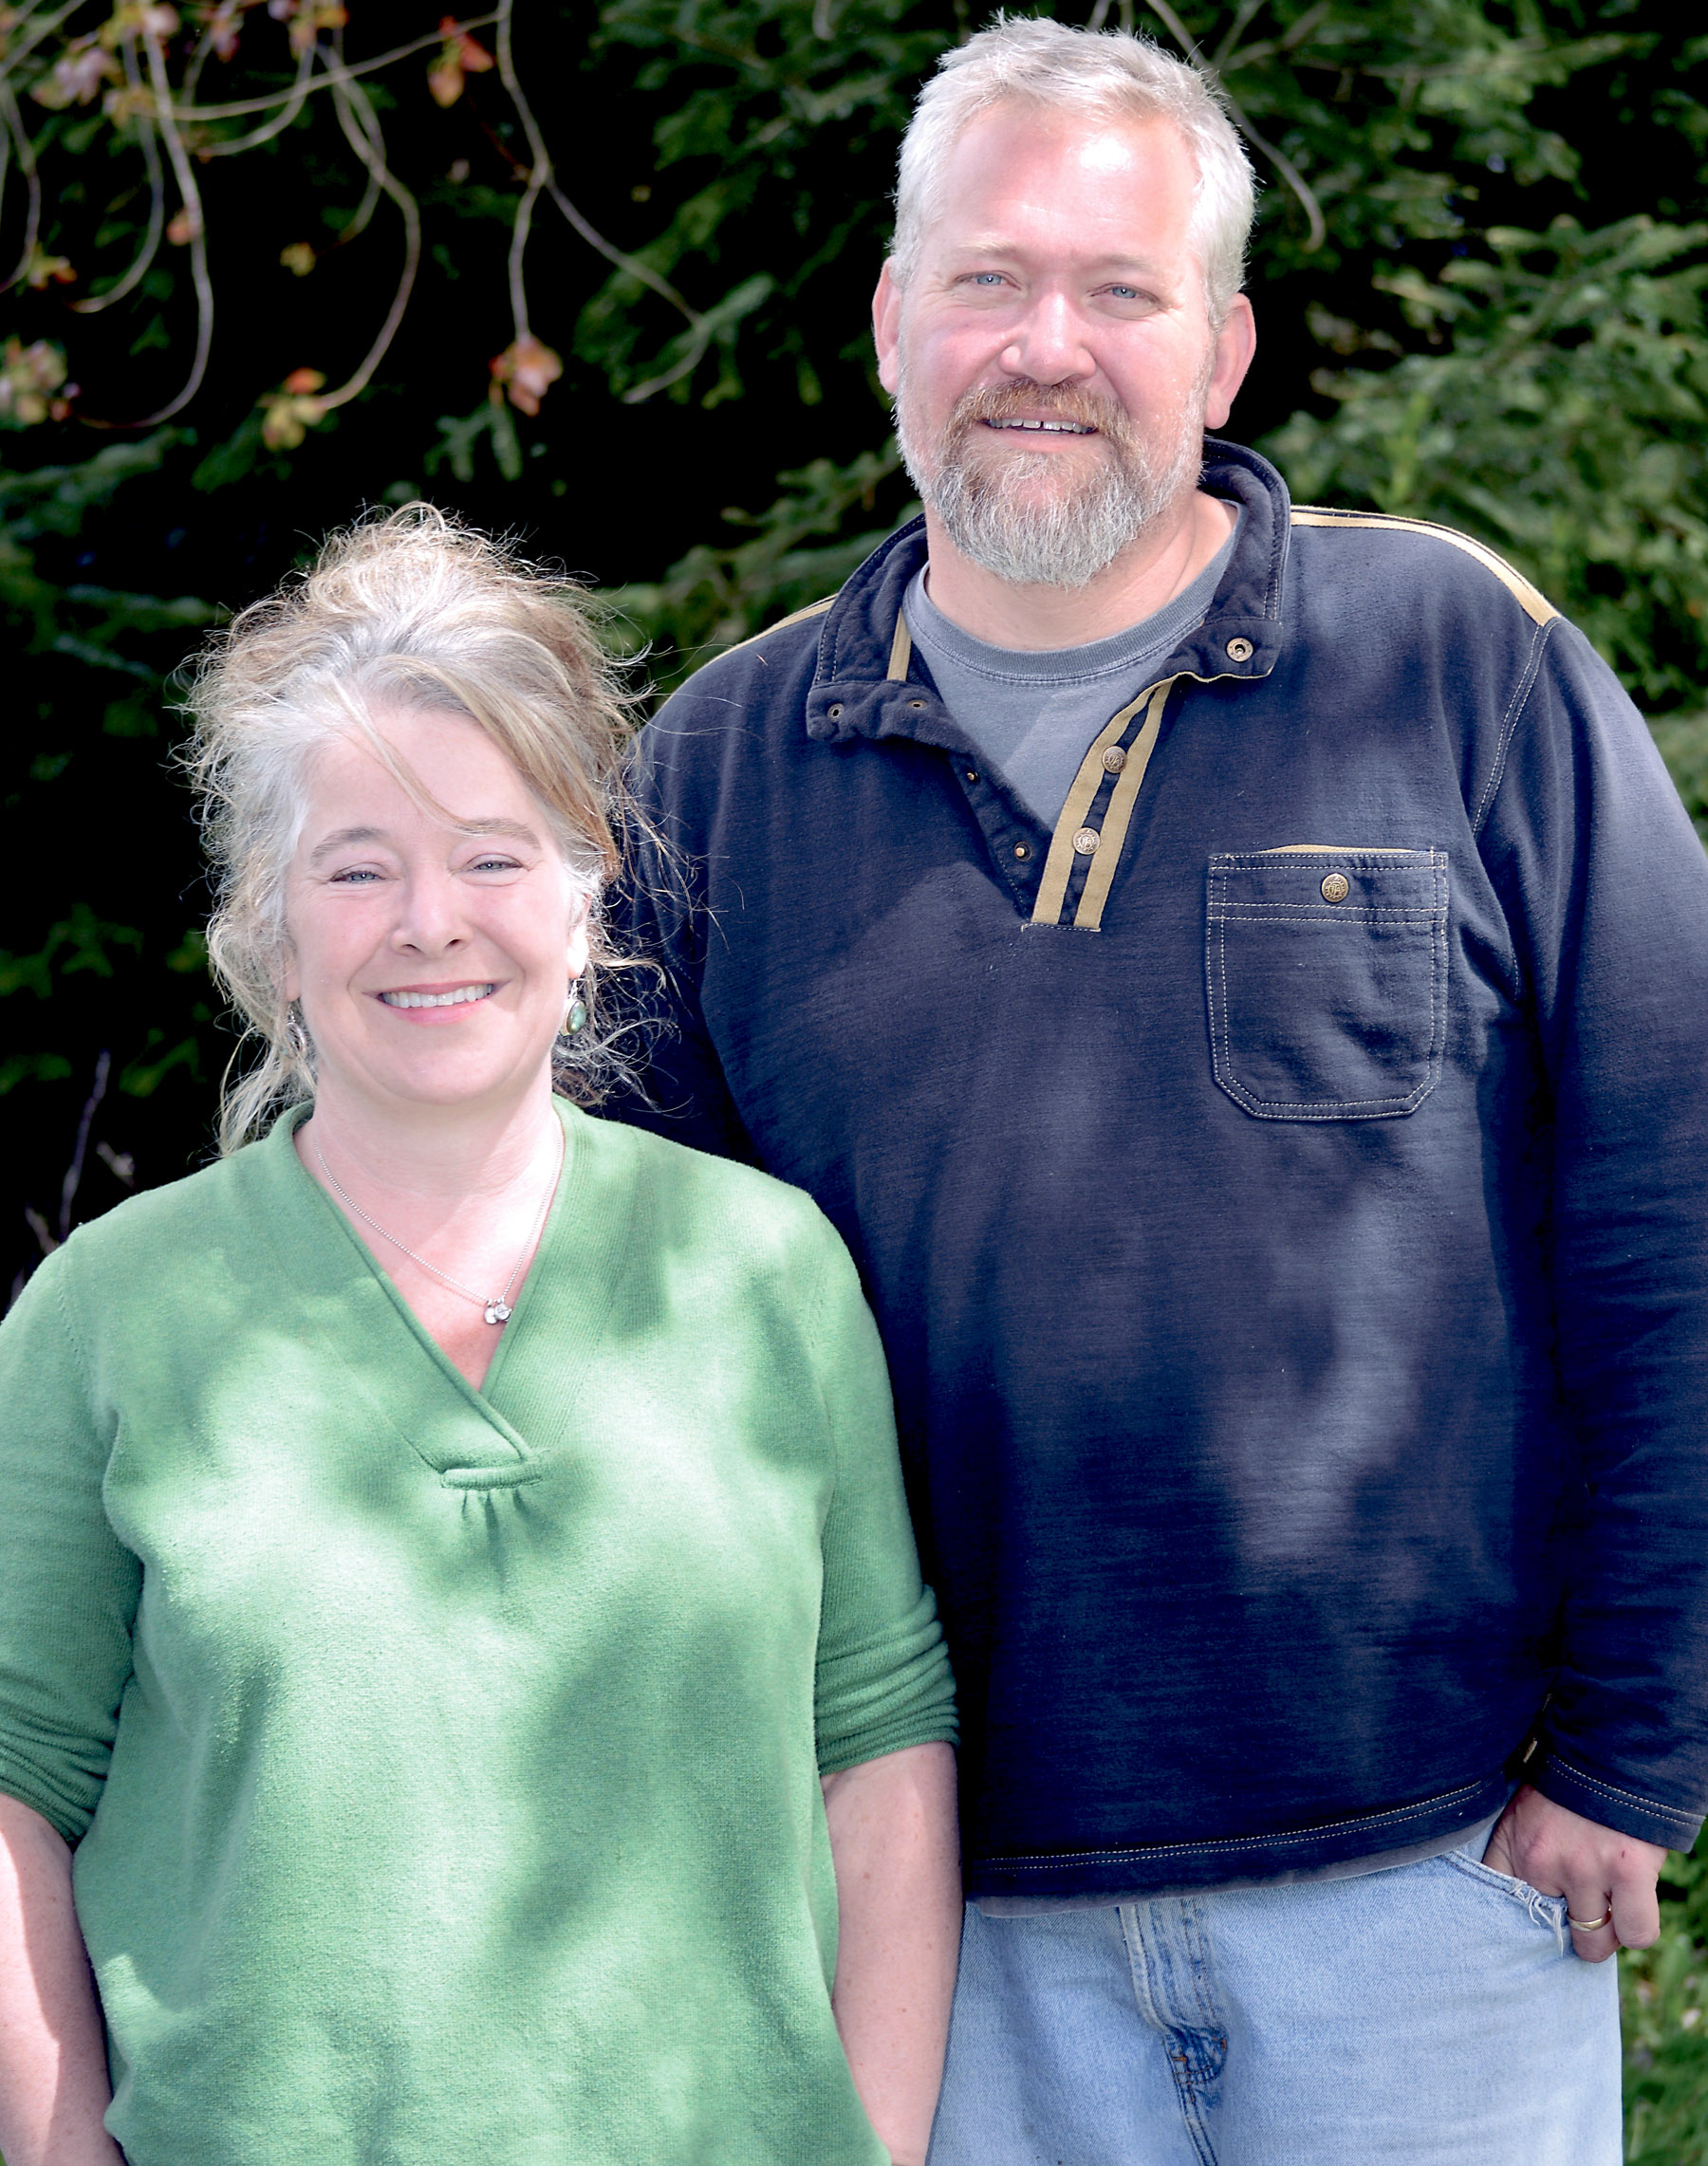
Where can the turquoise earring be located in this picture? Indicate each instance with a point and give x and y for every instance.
(575, 1012)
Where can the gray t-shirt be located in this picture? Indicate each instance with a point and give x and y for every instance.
(1032, 714)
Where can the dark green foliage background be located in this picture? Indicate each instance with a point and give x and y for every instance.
(1489, 312)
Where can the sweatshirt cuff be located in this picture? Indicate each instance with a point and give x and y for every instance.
(1612, 1806)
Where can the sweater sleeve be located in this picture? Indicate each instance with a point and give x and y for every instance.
(68, 1586)
(883, 1678)
(1605, 888)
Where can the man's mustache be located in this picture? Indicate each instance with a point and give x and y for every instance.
(999, 402)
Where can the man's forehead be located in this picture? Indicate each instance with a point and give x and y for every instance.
(1014, 168)
(1099, 139)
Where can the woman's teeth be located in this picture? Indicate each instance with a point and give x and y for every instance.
(436, 999)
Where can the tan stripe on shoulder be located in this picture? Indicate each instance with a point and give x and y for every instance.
(795, 617)
(1535, 605)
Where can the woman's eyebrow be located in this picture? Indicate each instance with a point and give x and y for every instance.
(517, 829)
(343, 836)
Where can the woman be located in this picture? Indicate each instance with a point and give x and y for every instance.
(457, 1602)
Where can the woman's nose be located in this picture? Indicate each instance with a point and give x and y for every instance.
(431, 917)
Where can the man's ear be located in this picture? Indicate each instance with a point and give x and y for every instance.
(1235, 342)
(886, 325)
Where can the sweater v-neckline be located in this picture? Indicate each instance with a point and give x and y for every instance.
(357, 1308)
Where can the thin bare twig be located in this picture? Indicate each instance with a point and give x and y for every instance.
(157, 202)
(1288, 172)
(43, 26)
(1278, 157)
(190, 197)
(26, 165)
(363, 133)
(73, 1179)
(541, 176)
(637, 394)
(281, 121)
(1300, 30)
(518, 248)
(241, 109)
(358, 225)
(1242, 15)
(538, 172)
(635, 268)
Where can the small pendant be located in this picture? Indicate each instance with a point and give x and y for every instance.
(497, 1311)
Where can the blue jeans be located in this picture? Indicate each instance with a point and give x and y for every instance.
(1431, 2014)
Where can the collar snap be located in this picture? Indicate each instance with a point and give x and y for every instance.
(1240, 650)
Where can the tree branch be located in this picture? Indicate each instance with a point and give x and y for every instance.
(1278, 159)
(157, 202)
(32, 222)
(362, 130)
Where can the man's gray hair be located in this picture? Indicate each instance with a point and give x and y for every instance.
(1096, 73)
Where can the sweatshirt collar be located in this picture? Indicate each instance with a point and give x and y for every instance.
(862, 687)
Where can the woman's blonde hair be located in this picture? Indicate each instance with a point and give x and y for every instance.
(405, 609)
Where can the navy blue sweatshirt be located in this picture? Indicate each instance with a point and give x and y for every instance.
(1281, 1191)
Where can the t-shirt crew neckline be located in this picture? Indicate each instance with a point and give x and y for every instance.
(1083, 664)
(1031, 713)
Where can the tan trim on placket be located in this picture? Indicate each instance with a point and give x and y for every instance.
(900, 654)
(1088, 917)
(1058, 866)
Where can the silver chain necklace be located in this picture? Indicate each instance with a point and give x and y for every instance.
(497, 1307)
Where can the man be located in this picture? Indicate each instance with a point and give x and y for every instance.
(1238, 977)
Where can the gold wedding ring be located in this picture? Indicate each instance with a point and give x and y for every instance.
(1592, 1924)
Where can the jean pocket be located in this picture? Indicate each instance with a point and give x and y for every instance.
(1326, 973)
(1547, 1911)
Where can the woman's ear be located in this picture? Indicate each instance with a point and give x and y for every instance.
(579, 944)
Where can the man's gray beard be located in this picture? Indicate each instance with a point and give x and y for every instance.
(1067, 536)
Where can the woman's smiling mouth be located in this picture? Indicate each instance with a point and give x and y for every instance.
(454, 999)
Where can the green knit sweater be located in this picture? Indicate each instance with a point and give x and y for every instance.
(444, 1765)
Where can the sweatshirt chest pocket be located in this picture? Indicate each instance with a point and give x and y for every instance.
(1326, 975)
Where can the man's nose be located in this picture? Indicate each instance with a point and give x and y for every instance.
(1048, 344)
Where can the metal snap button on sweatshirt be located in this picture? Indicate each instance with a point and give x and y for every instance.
(1336, 887)
(1239, 650)
(1114, 760)
(1086, 841)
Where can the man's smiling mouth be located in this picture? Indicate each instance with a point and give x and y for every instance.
(452, 999)
(1048, 428)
